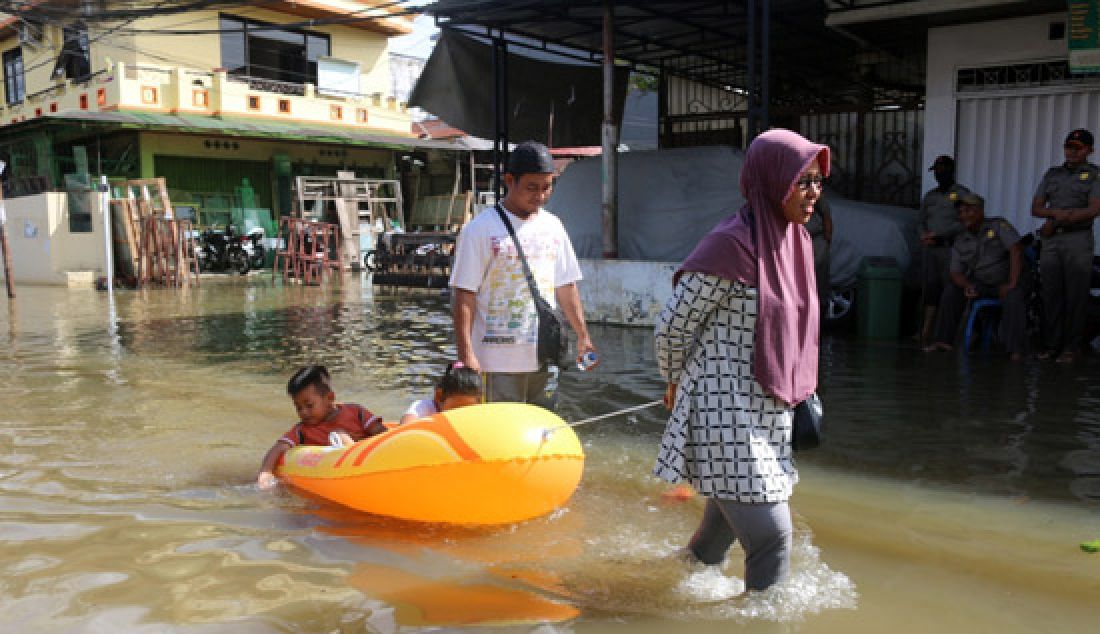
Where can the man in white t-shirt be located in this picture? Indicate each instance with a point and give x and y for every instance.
(496, 324)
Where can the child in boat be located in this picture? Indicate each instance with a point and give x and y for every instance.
(458, 387)
(321, 416)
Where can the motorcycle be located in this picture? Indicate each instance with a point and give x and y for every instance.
(222, 251)
(253, 245)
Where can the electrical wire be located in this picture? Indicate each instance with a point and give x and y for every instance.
(407, 7)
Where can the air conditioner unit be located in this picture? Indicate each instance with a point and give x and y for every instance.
(31, 35)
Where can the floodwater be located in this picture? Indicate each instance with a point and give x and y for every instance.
(952, 494)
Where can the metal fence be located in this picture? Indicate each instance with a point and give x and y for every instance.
(876, 156)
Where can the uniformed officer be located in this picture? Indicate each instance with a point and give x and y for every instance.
(938, 224)
(820, 228)
(986, 262)
(1068, 198)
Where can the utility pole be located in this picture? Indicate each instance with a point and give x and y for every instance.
(4, 240)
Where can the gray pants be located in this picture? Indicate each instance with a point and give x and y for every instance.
(1065, 269)
(520, 387)
(764, 530)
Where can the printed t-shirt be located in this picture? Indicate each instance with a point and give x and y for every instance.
(353, 419)
(505, 326)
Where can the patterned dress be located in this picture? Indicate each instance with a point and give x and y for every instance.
(725, 435)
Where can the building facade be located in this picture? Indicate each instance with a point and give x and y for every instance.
(205, 98)
(1001, 98)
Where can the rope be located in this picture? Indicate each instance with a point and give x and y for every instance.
(549, 430)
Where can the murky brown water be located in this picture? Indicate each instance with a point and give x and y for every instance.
(950, 496)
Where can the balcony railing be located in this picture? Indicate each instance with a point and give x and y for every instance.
(270, 85)
(179, 90)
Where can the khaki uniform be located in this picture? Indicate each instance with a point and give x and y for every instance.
(1065, 263)
(938, 215)
(983, 258)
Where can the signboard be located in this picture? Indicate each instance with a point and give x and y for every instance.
(1084, 36)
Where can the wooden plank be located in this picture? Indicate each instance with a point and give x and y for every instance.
(124, 238)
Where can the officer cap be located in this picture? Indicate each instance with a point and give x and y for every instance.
(1080, 135)
(942, 161)
(970, 198)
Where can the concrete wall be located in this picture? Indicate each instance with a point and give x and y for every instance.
(971, 45)
(625, 292)
(43, 249)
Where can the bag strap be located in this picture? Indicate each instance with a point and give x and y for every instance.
(519, 250)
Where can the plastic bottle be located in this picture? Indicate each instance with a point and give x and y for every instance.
(588, 360)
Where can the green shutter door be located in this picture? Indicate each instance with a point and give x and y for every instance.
(195, 174)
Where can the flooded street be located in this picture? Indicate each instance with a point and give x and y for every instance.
(951, 494)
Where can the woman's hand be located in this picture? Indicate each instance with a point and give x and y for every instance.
(670, 395)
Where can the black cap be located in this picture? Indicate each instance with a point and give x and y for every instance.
(530, 157)
(942, 161)
(1080, 135)
(970, 198)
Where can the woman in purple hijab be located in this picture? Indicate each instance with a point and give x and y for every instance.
(737, 344)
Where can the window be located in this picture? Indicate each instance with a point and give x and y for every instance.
(14, 83)
(268, 51)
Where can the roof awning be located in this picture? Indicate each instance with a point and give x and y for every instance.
(238, 127)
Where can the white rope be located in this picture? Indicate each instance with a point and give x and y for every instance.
(546, 432)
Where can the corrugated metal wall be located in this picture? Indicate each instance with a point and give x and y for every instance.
(185, 173)
(1005, 143)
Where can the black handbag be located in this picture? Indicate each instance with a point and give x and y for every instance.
(807, 426)
(551, 341)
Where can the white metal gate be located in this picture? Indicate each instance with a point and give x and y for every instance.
(1004, 143)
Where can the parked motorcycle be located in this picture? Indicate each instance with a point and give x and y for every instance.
(222, 251)
(253, 245)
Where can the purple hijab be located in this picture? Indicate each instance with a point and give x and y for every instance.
(759, 247)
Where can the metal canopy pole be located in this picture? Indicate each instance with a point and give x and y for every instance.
(765, 64)
(609, 157)
(750, 73)
(758, 69)
(500, 113)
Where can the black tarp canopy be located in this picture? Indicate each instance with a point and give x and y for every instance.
(551, 98)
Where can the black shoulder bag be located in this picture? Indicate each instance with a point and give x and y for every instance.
(808, 424)
(551, 341)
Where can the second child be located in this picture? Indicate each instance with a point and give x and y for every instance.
(458, 387)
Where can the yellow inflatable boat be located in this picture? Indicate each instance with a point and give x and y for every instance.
(497, 463)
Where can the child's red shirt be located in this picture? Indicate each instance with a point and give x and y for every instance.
(355, 420)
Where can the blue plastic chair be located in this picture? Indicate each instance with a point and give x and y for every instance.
(976, 307)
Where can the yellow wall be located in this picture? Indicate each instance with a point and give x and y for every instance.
(253, 150)
(201, 52)
(38, 62)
